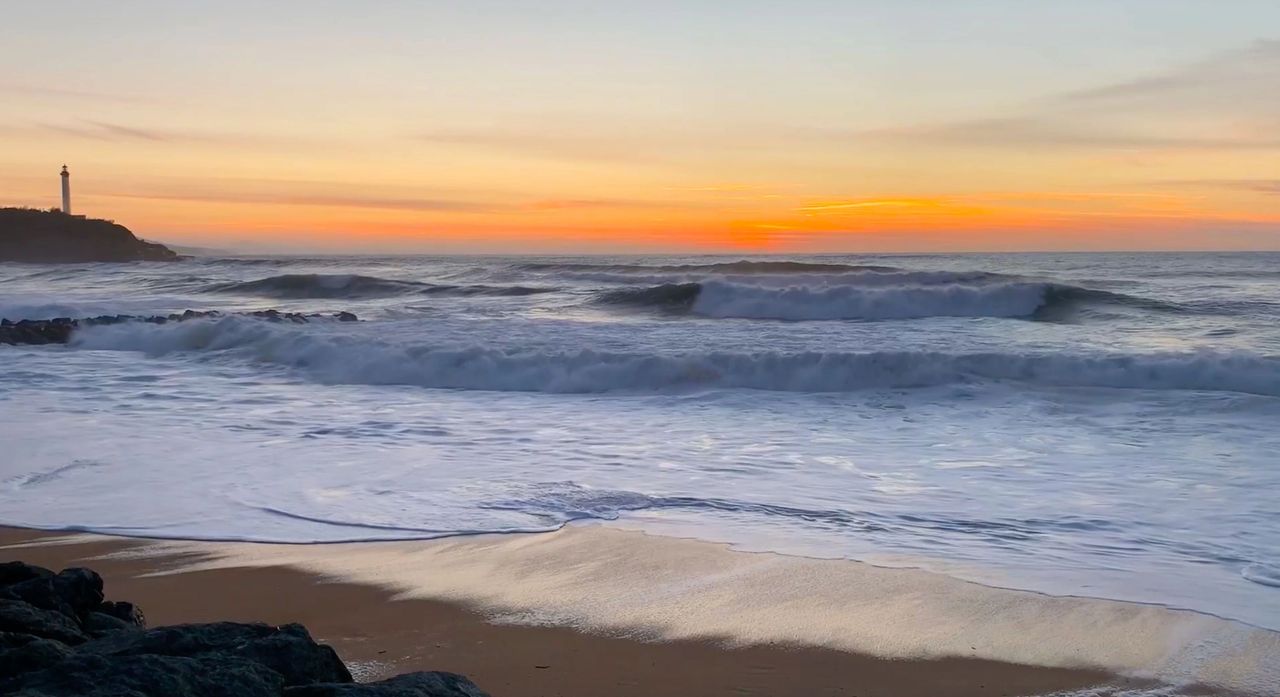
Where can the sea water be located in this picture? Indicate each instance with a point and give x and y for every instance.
(1092, 425)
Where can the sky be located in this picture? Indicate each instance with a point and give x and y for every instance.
(697, 126)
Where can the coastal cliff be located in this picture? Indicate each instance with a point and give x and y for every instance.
(52, 237)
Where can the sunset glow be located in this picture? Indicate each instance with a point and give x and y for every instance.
(683, 127)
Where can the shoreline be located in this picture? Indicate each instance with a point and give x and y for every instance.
(381, 633)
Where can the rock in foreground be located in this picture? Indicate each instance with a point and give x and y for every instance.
(58, 330)
(51, 237)
(58, 637)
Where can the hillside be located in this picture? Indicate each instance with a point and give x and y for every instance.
(51, 237)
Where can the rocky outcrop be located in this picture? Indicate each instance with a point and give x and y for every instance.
(59, 637)
(52, 237)
(58, 330)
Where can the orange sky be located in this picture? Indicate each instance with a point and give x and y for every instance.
(679, 128)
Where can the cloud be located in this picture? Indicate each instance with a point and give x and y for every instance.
(1225, 102)
(581, 139)
(110, 131)
(864, 203)
(325, 196)
(1260, 186)
(1249, 66)
(323, 200)
(59, 93)
(1051, 132)
(99, 130)
(589, 203)
(585, 146)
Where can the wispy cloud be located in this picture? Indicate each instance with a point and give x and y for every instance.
(1260, 186)
(474, 202)
(1053, 132)
(112, 131)
(543, 145)
(1225, 102)
(322, 200)
(864, 203)
(61, 93)
(589, 203)
(1247, 66)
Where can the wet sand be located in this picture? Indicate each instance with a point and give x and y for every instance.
(380, 635)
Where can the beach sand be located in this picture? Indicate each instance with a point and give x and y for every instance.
(380, 635)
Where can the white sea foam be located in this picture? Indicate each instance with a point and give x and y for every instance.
(612, 581)
(347, 359)
(982, 446)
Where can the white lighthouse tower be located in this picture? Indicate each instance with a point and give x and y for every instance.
(66, 191)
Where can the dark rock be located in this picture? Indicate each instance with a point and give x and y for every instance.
(15, 571)
(59, 330)
(46, 651)
(127, 612)
(97, 624)
(52, 237)
(24, 618)
(289, 650)
(34, 655)
(12, 640)
(425, 684)
(72, 592)
(42, 593)
(81, 588)
(146, 676)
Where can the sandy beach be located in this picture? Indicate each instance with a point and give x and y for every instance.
(381, 635)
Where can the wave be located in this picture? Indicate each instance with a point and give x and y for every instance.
(852, 278)
(675, 297)
(741, 267)
(300, 286)
(349, 359)
(719, 299)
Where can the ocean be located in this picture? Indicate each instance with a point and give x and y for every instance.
(1099, 425)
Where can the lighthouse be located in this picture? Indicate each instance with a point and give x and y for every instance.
(66, 191)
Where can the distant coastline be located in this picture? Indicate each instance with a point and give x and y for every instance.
(53, 237)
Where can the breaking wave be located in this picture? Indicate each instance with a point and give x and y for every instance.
(332, 358)
(729, 267)
(720, 299)
(355, 286)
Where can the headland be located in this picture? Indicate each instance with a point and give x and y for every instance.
(52, 237)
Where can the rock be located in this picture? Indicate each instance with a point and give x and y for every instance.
(146, 676)
(46, 620)
(15, 571)
(41, 593)
(52, 237)
(59, 330)
(289, 650)
(24, 618)
(80, 588)
(98, 624)
(72, 592)
(34, 655)
(127, 612)
(35, 332)
(425, 684)
(12, 640)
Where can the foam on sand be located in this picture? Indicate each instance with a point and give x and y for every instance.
(613, 581)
